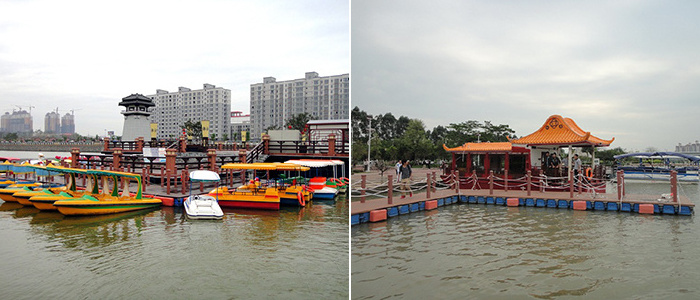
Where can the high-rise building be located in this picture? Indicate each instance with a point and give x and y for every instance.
(172, 110)
(239, 123)
(68, 124)
(272, 103)
(18, 122)
(52, 122)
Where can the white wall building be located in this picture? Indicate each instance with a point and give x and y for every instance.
(272, 103)
(210, 103)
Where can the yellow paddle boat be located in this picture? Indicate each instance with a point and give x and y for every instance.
(69, 192)
(109, 201)
(259, 196)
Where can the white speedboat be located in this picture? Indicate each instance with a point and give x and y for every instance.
(203, 206)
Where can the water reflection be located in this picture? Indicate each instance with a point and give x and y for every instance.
(520, 252)
(142, 253)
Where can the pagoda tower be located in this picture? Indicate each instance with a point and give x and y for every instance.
(136, 123)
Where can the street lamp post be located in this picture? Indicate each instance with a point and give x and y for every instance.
(369, 142)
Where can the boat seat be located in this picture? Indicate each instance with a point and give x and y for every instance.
(202, 203)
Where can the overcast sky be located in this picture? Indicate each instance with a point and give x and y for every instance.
(623, 69)
(87, 55)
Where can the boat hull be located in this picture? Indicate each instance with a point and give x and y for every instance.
(325, 193)
(45, 202)
(290, 196)
(202, 208)
(92, 207)
(256, 199)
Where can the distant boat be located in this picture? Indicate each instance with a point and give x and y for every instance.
(203, 206)
(658, 166)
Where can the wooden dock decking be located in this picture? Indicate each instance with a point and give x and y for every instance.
(360, 211)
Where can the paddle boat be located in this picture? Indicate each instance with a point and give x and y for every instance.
(24, 195)
(203, 206)
(70, 192)
(323, 187)
(109, 201)
(255, 194)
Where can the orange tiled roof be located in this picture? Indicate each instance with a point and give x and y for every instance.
(561, 131)
(481, 147)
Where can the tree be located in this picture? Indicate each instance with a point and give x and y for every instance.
(414, 143)
(382, 166)
(272, 127)
(194, 129)
(298, 122)
(359, 125)
(607, 156)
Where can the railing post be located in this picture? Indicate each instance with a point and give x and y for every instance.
(183, 144)
(167, 175)
(162, 176)
(363, 185)
(139, 144)
(506, 180)
(491, 182)
(390, 186)
(428, 188)
(434, 182)
(211, 153)
(529, 182)
(541, 184)
(456, 181)
(183, 180)
(674, 185)
(106, 144)
(242, 156)
(266, 144)
(75, 155)
(619, 184)
(116, 159)
(331, 144)
(571, 184)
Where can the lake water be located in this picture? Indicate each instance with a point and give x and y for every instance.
(470, 251)
(159, 254)
(32, 154)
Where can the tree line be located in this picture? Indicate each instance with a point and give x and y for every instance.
(406, 138)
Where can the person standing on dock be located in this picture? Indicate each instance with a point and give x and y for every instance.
(405, 175)
(554, 163)
(398, 171)
(577, 166)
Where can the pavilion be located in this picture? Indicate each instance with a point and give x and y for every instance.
(517, 156)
